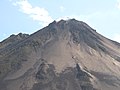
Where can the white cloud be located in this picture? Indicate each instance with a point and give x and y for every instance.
(35, 12)
(64, 18)
(116, 37)
(62, 8)
(118, 4)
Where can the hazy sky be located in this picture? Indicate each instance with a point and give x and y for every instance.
(28, 16)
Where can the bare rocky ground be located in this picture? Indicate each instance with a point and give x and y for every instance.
(65, 55)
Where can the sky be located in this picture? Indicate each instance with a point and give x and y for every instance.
(28, 16)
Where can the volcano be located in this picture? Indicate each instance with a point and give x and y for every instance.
(65, 55)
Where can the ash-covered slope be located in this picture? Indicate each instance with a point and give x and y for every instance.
(12, 40)
(65, 55)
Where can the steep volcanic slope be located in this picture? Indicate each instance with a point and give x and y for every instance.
(7, 45)
(13, 39)
(65, 55)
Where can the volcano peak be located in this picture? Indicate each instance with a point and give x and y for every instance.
(65, 55)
